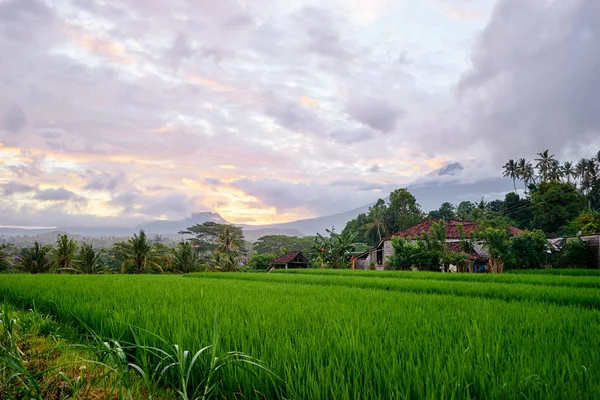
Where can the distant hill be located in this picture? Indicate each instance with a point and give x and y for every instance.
(448, 183)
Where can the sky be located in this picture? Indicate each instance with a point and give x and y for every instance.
(265, 111)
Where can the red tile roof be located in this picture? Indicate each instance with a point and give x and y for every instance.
(286, 258)
(415, 231)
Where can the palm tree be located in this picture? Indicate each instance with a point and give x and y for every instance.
(35, 260)
(63, 252)
(184, 257)
(225, 262)
(521, 171)
(510, 170)
(229, 240)
(377, 222)
(580, 170)
(138, 254)
(555, 172)
(88, 260)
(568, 171)
(544, 164)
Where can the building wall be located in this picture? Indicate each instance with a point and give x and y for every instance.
(388, 251)
(361, 264)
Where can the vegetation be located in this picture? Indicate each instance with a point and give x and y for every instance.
(279, 245)
(139, 255)
(184, 258)
(574, 254)
(35, 259)
(260, 262)
(436, 338)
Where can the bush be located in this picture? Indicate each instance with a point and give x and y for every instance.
(574, 254)
(529, 251)
(260, 261)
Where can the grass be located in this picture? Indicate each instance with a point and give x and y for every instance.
(361, 337)
(558, 271)
(559, 278)
(585, 297)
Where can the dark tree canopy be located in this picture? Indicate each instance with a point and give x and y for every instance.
(554, 204)
(281, 244)
(206, 235)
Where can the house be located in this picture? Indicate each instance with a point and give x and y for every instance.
(294, 259)
(380, 253)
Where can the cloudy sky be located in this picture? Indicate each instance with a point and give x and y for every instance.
(269, 111)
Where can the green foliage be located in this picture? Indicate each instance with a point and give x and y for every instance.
(406, 254)
(446, 211)
(281, 244)
(496, 241)
(574, 254)
(529, 251)
(35, 259)
(88, 261)
(63, 252)
(403, 211)
(518, 210)
(554, 204)
(222, 262)
(464, 211)
(138, 255)
(393, 328)
(210, 236)
(260, 262)
(334, 251)
(184, 258)
(590, 223)
(5, 262)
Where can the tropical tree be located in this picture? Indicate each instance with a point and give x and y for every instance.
(568, 171)
(229, 240)
(402, 211)
(446, 211)
(224, 262)
(184, 258)
(511, 171)
(554, 204)
(139, 255)
(377, 222)
(464, 211)
(496, 241)
(211, 235)
(544, 164)
(88, 261)
(63, 253)
(334, 251)
(35, 259)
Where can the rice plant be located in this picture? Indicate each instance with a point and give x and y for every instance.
(336, 340)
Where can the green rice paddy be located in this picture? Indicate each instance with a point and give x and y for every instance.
(351, 335)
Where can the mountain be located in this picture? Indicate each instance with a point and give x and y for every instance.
(451, 183)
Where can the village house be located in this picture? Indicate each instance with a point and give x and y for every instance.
(379, 254)
(294, 259)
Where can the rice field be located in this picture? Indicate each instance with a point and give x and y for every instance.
(349, 335)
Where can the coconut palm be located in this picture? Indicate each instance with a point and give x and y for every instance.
(224, 262)
(544, 164)
(376, 221)
(139, 255)
(63, 252)
(568, 170)
(35, 260)
(184, 258)
(229, 240)
(510, 170)
(555, 172)
(88, 260)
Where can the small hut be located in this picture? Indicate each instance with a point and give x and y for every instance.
(294, 259)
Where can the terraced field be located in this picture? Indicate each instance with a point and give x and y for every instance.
(350, 335)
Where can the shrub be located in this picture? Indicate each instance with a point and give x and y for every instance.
(260, 261)
(529, 251)
(574, 254)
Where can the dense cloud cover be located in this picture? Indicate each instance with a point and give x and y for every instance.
(265, 111)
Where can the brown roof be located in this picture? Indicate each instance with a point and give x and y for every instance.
(286, 258)
(415, 231)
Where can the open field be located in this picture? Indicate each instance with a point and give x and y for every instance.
(343, 336)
